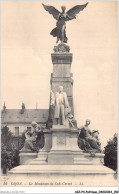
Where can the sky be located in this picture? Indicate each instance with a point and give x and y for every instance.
(26, 66)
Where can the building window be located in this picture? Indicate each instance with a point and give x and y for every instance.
(28, 128)
(16, 131)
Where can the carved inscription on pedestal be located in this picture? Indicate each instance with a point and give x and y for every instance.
(61, 139)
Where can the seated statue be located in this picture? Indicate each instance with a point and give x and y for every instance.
(32, 138)
(88, 141)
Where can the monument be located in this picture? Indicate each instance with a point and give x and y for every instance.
(61, 157)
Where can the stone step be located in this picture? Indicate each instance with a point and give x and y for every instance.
(63, 175)
(39, 161)
(58, 151)
(61, 169)
(82, 161)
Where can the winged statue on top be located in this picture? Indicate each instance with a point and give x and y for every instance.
(62, 18)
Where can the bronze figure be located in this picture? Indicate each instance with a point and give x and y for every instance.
(62, 17)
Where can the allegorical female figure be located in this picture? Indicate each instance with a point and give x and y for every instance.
(33, 136)
(62, 17)
(60, 30)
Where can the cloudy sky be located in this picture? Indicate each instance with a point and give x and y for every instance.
(26, 59)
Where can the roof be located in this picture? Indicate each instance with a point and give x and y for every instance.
(10, 116)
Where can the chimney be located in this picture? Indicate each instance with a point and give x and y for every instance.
(36, 105)
(22, 109)
(4, 108)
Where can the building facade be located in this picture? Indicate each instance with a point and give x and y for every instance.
(19, 120)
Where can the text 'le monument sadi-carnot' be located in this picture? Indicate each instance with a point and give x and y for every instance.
(62, 157)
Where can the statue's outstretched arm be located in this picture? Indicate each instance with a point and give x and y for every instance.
(70, 17)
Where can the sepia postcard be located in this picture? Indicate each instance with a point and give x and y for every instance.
(59, 105)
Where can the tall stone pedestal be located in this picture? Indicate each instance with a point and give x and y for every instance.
(65, 148)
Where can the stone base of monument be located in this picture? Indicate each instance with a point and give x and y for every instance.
(64, 175)
(61, 161)
(26, 158)
(96, 158)
(41, 158)
(65, 149)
